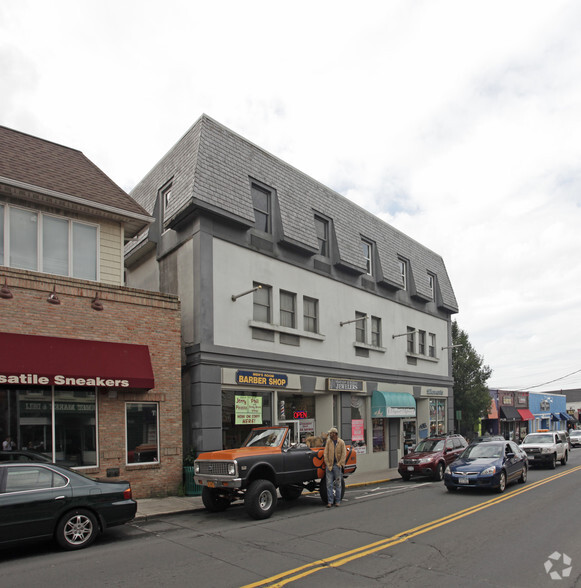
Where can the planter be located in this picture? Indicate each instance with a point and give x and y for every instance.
(191, 488)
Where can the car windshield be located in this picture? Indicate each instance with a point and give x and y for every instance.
(430, 445)
(486, 450)
(574, 433)
(265, 438)
(540, 438)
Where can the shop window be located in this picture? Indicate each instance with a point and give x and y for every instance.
(31, 426)
(142, 432)
(310, 314)
(437, 417)
(379, 435)
(358, 424)
(234, 432)
(287, 309)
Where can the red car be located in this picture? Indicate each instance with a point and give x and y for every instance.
(431, 456)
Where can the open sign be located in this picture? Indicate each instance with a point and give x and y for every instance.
(300, 414)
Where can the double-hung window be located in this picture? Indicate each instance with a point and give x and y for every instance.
(432, 285)
(288, 309)
(367, 248)
(411, 340)
(310, 314)
(422, 342)
(360, 327)
(432, 345)
(165, 203)
(262, 303)
(322, 228)
(403, 270)
(376, 331)
(262, 203)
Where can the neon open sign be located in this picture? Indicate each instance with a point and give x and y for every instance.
(300, 414)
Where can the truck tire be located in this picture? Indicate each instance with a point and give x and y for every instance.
(290, 492)
(260, 499)
(553, 462)
(213, 501)
(323, 490)
(564, 460)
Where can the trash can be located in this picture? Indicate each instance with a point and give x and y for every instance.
(191, 488)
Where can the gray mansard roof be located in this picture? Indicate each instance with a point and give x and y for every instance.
(211, 168)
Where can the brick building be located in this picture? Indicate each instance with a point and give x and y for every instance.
(89, 369)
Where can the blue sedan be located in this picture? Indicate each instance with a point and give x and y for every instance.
(491, 464)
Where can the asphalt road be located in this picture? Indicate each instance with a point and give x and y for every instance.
(398, 533)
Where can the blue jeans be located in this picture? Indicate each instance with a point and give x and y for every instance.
(334, 480)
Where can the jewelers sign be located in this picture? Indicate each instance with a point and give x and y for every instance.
(248, 410)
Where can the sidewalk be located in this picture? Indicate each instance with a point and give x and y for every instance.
(153, 507)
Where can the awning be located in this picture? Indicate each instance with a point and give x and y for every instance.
(493, 414)
(525, 414)
(555, 416)
(392, 404)
(566, 417)
(55, 361)
(509, 413)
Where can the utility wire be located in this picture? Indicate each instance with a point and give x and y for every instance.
(543, 384)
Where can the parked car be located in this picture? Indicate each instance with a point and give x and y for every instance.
(575, 437)
(546, 448)
(482, 438)
(431, 456)
(43, 500)
(565, 438)
(494, 464)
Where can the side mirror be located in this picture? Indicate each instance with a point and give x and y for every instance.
(509, 455)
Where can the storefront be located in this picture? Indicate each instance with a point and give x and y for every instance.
(549, 411)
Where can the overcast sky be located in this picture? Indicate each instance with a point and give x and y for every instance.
(458, 122)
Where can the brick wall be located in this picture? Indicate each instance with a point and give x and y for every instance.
(129, 316)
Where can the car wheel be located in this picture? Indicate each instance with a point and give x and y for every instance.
(502, 483)
(565, 457)
(523, 476)
(290, 492)
(77, 529)
(439, 473)
(260, 499)
(405, 477)
(213, 500)
(553, 463)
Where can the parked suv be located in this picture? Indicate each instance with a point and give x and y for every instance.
(575, 437)
(431, 456)
(546, 447)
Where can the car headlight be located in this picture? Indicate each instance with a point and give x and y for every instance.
(425, 460)
(196, 468)
(231, 469)
(447, 470)
(546, 450)
(488, 471)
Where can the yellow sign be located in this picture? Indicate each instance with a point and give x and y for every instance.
(248, 410)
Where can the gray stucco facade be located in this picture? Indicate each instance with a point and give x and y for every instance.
(230, 217)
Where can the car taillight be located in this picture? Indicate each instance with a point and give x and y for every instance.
(127, 494)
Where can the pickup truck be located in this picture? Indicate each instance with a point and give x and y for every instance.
(546, 448)
(267, 461)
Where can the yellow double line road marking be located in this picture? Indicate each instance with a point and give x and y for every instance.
(341, 559)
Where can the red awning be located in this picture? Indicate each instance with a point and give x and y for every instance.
(47, 361)
(526, 414)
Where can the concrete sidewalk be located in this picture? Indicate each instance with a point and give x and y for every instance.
(153, 507)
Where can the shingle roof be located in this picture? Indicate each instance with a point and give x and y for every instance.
(60, 169)
(212, 166)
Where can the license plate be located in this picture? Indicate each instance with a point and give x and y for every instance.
(410, 468)
(463, 481)
(211, 484)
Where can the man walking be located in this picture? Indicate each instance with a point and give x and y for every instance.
(334, 456)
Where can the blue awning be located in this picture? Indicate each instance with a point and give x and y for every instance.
(566, 417)
(555, 416)
(392, 404)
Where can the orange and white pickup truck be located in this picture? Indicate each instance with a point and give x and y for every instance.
(267, 461)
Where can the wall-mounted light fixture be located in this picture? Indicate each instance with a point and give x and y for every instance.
(96, 304)
(5, 292)
(452, 346)
(404, 334)
(53, 298)
(236, 296)
(361, 318)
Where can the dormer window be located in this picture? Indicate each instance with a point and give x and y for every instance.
(367, 248)
(431, 284)
(403, 270)
(165, 203)
(322, 228)
(261, 201)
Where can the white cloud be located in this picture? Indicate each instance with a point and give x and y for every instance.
(458, 122)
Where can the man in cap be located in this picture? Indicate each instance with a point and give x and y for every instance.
(334, 456)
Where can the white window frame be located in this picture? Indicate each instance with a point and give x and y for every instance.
(403, 270)
(367, 248)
